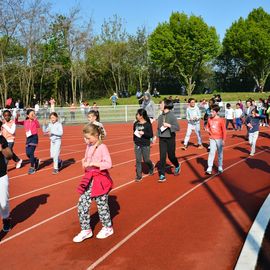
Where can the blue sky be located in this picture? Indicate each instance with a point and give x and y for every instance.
(218, 13)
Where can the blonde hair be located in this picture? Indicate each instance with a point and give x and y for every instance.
(94, 130)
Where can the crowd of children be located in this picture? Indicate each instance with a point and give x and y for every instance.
(96, 182)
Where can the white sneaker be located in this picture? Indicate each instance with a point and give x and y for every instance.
(209, 171)
(19, 164)
(105, 232)
(84, 234)
(220, 169)
(251, 154)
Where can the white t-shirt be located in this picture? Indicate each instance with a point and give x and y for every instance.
(238, 113)
(229, 114)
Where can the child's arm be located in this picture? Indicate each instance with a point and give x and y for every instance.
(11, 129)
(148, 131)
(17, 122)
(7, 153)
(37, 123)
(223, 128)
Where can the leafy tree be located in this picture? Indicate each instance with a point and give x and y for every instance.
(247, 45)
(183, 45)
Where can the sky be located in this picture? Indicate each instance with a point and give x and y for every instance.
(137, 13)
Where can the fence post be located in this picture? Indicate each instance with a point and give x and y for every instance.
(126, 113)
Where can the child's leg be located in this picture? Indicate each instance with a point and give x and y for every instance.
(104, 210)
(84, 205)
(227, 123)
(220, 153)
(188, 133)
(212, 153)
(138, 155)
(253, 141)
(14, 156)
(146, 157)
(30, 151)
(232, 124)
(198, 133)
(171, 151)
(162, 155)
(55, 152)
(4, 196)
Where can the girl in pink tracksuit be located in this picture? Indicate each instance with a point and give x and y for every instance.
(31, 126)
(95, 184)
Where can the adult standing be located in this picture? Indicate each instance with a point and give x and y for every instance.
(149, 105)
(114, 99)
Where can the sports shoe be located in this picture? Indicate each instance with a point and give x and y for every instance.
(138, 179)
(19, 164)
(6, 224)
(105, 232)
(60, 165)
(84, 234)
(31, 170)
(209, 172)
(55, 171)
(200, 146)
(220, 169)
(251, 154)
(162, 178)
(151, 171)
(177, 170)
(37, 162)
(184, 147)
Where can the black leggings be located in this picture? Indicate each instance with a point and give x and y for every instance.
(30, 152)
(167, 145)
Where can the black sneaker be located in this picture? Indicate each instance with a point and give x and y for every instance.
(37, 162)
(162, 178)
(138, 179)
(6, 225)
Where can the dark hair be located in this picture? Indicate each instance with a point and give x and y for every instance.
(168, 104)
(238, 104)
(228, 105)
(7, 111)
(191, 99)
(1, 123)
(28, 112)
(255, 110)
(95, 113)
(215, 108)
(143, 113)
(54, 114)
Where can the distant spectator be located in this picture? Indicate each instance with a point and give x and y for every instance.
(156, 93)
(94, 107)
(149, 106)
(52, 103)
(72, 111)
(139, 94)
(114, 99)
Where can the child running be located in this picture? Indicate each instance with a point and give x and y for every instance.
(93, 118)
(167, 126)
(31, 126)
(217, 132)
(8, 131)
(193, 116)
(5, 154)
(143, 133)
(229, 115)
(253, 124)
(55, 131)
(95, 184)
(238, 116)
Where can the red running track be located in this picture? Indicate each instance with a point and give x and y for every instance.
(192, 221)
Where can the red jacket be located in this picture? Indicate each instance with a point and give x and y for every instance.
(102, 182)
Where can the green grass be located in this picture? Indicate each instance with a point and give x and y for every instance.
(225, 97)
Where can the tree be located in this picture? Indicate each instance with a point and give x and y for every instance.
(183, 46)
(247, 43)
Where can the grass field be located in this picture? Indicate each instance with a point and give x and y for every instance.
(225, 97)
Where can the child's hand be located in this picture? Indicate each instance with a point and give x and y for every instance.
(141, 132)
(249, 125)
(167, 125)
(154, 139)
(223, 143)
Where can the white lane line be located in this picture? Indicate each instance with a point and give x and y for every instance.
(116, 165)
(250, 251)
(132, 233)
(123, 241)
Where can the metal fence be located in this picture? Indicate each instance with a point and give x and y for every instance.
(119, 113)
